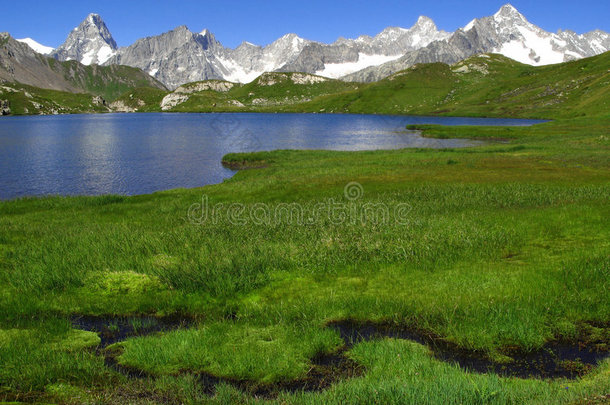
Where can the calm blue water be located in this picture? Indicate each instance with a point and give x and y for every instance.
(143, 153)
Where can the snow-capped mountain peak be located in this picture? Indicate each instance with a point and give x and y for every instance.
(89, 43)
(45, 50)
(424, 32)
(507, 11)
(292, 40)
(424, 23)
(391, 33)
(94, 18)
(518, 39)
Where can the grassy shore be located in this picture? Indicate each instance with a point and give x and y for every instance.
(489, 248)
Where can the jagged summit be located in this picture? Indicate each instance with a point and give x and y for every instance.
(181, 30)
(509, 15)
(291, 38)
(508, 11)
(89, 43)
(94, 18)
(425, 22)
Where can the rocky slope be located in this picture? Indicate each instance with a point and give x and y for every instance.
(21, 64)
(175, 57)
(181, 56)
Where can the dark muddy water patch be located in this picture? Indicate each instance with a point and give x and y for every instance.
(557, 359)
(325, 370)
(116, 329)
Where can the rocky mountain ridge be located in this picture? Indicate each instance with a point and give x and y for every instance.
(507, 33)
(181, 56)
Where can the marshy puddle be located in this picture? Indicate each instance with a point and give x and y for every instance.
(555, 360)
(116, 329)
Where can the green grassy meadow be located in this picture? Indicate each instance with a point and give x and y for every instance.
(492, 248)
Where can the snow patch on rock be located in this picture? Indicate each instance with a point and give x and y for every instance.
(45, 50)
(336, 70)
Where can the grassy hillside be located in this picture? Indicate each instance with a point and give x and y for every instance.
(107, 81)
(289, 88)
(28, 100)
(107, 84)
(486, 85)
(142, 99)
(411, 92)
(268, 93)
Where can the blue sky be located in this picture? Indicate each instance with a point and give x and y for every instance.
(262, 21)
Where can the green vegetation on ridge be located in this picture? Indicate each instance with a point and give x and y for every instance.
(107, 81)
(485, 85)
